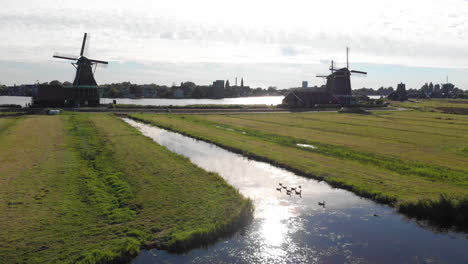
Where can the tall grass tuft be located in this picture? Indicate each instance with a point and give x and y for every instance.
(103, 186)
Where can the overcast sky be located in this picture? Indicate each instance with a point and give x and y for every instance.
(268, 43)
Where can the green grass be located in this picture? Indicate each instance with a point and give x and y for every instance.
(401, 158)
(450, 106)
(88, 188)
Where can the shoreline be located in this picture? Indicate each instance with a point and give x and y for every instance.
(439, 214)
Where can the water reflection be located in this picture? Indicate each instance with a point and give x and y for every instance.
(295, 229)
(263, 100)
(258, 100)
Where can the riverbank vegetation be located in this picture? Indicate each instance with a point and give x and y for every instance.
(449, 106)
(88, 188)
(408, 159)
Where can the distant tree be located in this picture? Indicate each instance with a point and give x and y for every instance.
(447, 89)
(190, 85)
(436, 92)
(136, 90)
(425, 88)
(3, 89)
(227, 84)
(55, 82)
(199, 92)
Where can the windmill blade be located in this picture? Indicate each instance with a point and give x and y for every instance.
(65, 56)
(83, 45)
(321, 76)
(88, 43)
(98, 61)
(358, 72)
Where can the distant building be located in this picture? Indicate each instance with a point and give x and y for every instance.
(337, 91)
(218, 84)
(400, 94)
(49, 95)
(305, 84)
(217, 89)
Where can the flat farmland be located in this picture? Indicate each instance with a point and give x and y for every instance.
(88, 188)
(404, 158)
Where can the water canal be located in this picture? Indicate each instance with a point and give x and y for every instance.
(295, 228)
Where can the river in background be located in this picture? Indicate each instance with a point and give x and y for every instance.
(260, 100)
(263, 100)
(295, 228)
(17, 100)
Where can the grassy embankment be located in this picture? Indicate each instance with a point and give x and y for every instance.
(448, 106)
(88, 188)
(416, 161)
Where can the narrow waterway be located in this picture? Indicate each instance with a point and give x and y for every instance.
(295, 228)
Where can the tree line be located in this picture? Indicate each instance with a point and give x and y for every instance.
(428, 90)
(132, 90)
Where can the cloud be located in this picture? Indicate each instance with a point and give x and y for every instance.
(290, 51)
(413, 33)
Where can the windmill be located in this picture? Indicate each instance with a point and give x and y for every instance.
(84, 66)
(339, 82)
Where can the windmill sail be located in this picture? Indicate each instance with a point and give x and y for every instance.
(84, 66)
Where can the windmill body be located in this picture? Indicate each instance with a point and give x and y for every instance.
(84, 65)
(336, 91)
(84, 73)
(83, 92)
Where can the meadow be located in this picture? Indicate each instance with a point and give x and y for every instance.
(413, 160)
(449, 106)
(88, 188)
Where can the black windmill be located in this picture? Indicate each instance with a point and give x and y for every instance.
(339, 81)
(84, 66)
(84, 90)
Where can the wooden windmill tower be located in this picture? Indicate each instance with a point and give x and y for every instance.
(84, 65)
(84, 90)
(339, 81)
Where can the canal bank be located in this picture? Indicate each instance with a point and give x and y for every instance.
(296, 229)
(88, 188)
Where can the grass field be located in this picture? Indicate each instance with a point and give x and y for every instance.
(449, 106)
(410, 159)
(88, 188)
